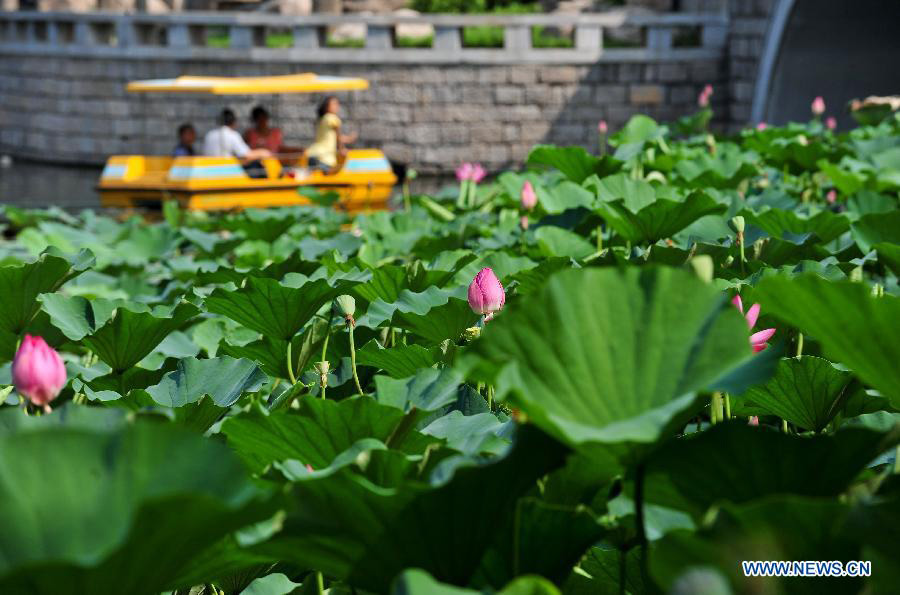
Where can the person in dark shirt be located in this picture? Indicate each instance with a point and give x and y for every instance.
(186, 137)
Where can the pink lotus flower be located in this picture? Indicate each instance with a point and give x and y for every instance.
(759, 339)
(602, 127)
(38, 372)
(818, 106)
(762, 126)
(523, 221)
(830, 123)
(478, 173)
(754, 421)
(486, 295)
(831, 196)
(464, 172)
(528, 196)
(703, 98)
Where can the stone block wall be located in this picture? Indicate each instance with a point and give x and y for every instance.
(749, 24)
(76, 110)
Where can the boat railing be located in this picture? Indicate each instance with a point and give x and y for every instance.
(380, 38)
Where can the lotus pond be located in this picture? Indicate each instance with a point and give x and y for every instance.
(294, 401)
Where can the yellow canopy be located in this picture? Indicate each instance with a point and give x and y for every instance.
(306, 82)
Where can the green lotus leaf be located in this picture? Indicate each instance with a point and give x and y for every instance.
(401, 361)
(602, 356)
(879, 228)
(366, 534)
(128, 506)
(273, 309)
(20, 286)
(807, 391)
(846, 319)
(738, 463)
(316, 433)
(130, 335)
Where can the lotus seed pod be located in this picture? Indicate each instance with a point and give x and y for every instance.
(739, 224)
(344, 306)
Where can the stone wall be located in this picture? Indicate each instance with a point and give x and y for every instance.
(749, 23)
(431, 116)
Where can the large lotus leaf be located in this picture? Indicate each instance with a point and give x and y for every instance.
(852, 326)
(777, 222)
(366, 534)
(439, 324)
(606, 356)
(129, 336)
(407, 302)
(426, 390)
(117, 511)
(889, 254)
(273, 309)
(223, 379)
(536, 529)
(574, 162)
(261, 224)
(602, 570)
(777, 528)
(633, 209)
(873, 229)
(271, 353)
(317, 432)
(806, 391)
(562, 197)
(67, 416)
(556, 241)
(401, 361)
(76, 316)
(738, 463)
(471, 434)
(20, 286)
(725, 169)
(419, 582)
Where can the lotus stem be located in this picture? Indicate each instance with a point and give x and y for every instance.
(350, 325)
(727, 406)
(716, 408)
(320, 583)
(290, 365)
(799, 345)
(490, 398)
(463, 193)
(599, 238)
(639, 519)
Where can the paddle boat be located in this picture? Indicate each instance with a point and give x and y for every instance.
(363, 182)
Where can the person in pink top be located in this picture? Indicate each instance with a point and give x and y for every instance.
(262, 136)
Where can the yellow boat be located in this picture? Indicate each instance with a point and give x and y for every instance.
(364, 182)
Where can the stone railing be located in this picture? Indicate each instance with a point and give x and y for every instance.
(225, 37)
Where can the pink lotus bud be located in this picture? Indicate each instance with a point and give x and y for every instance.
(754, 421)
(602, 127)
(309, 468)
(528, 196)
(831, 196)
(38, 372)
(762, 126)
(830, 123)
(758, 340)
(464, 172)
(478, 173)
(486, 294)
(523, 221)
(818, 106)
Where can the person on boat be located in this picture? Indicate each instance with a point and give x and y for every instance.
(329, 149)
(262, 136)
(225, 141)
(186, 137)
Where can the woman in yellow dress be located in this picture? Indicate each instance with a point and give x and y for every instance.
(329, 149)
